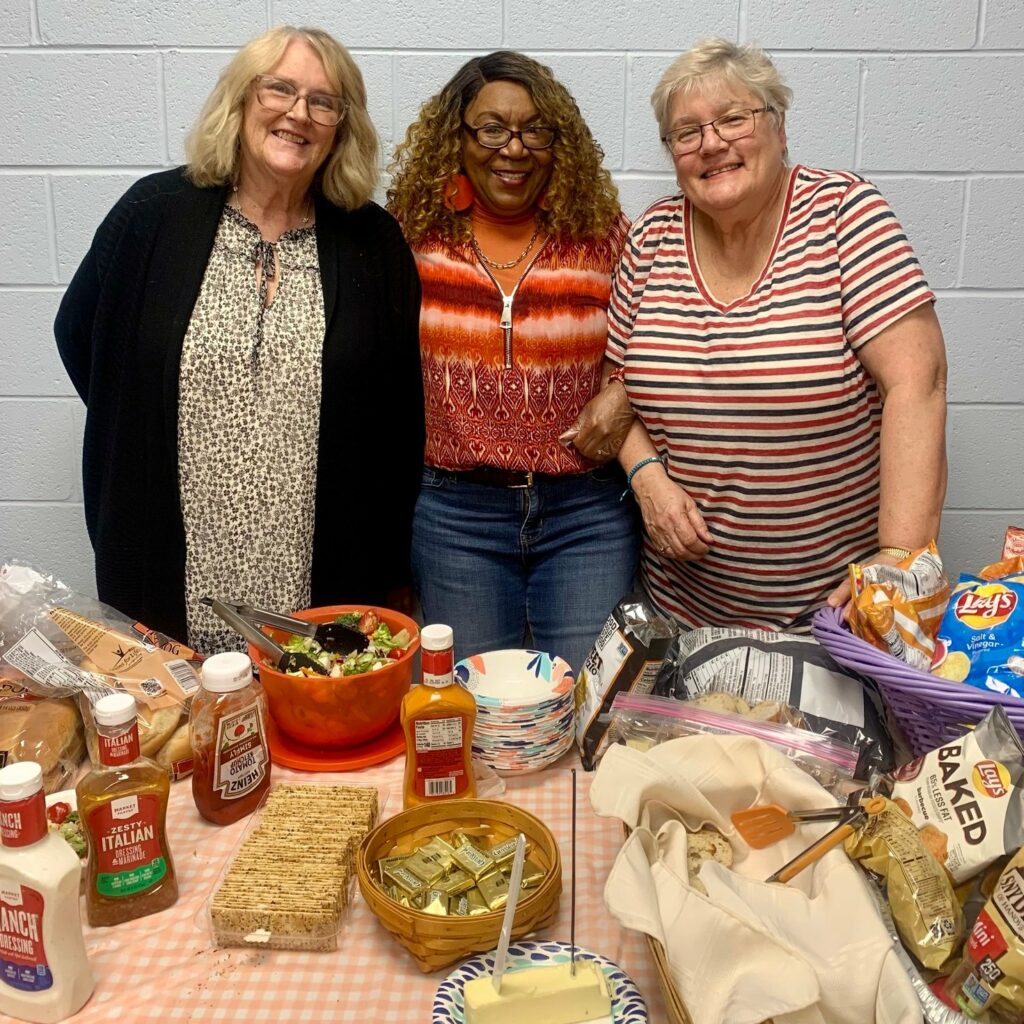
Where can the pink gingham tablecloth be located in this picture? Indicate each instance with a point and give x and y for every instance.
(164, 967)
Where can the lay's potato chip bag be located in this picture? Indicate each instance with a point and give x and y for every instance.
(981, 639)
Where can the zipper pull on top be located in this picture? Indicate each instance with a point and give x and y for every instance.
(506, 325)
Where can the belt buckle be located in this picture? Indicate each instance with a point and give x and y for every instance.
(528, 484)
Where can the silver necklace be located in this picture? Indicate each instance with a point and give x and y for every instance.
(305, 216)
(511, 263)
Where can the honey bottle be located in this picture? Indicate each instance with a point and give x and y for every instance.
(44, 974)
(122, 805)
(228, 734)
(438, 718)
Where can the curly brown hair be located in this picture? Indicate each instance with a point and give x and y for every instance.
(582, 202)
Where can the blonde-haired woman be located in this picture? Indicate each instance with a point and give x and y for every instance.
(243, 332)
(516, 227)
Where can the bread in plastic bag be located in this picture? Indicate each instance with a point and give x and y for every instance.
(758, 665)
(65, 645)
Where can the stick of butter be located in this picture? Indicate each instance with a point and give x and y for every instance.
(542, 995)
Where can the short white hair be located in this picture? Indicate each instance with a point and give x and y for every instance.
(717, 59)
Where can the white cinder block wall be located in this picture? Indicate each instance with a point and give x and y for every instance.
(924, 97)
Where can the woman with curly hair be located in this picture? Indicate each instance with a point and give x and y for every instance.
(516, 229)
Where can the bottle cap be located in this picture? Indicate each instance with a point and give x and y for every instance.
(20, 781)
(436, 638)
(115, 709)
(224, 673)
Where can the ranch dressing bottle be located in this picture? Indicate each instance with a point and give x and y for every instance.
(44, 975)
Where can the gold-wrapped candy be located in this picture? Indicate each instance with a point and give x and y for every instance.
(408, 882)
(456, 882)
(471, 858)
(494, 889)
(435, 902)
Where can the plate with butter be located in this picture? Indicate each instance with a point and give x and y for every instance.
(627, 1005)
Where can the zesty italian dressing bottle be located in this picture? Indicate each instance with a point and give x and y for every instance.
(228, 732)
(122, 804)
(438, 718)
(44, 975)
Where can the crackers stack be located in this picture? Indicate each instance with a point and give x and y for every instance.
(287, 887)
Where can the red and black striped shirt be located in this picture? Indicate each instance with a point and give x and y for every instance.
(761, 408)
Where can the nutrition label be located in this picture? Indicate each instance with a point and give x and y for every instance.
(438, 734)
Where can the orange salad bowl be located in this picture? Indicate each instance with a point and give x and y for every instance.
(338, 711)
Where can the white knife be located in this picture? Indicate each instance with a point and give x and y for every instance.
(514, 884)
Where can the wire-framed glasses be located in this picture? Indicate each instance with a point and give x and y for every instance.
(277, 94)
(737, 124)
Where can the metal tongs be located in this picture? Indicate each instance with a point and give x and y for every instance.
(283, 661)
(331, 636)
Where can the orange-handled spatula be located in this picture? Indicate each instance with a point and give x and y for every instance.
(829, 840)
(766, 824)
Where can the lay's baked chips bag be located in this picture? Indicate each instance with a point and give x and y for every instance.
(981, 637)
(967, 797)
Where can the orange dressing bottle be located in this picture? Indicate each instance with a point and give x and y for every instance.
(438, 718)
(122, 804)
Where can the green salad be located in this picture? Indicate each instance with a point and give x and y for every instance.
(383, 647)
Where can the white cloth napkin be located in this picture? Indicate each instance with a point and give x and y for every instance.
(814, 951)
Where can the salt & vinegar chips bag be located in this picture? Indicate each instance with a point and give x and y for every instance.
(981, 639)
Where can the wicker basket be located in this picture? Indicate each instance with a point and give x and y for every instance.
(437, 942)
(931, 710)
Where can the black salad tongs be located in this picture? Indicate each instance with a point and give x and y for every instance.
(331, 636)
(283, 661)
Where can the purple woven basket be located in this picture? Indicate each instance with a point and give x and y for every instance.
(931, 710)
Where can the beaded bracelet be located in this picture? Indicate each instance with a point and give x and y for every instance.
(619, 374)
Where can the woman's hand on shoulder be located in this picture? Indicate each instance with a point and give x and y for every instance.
(602, 424)
(671, 517)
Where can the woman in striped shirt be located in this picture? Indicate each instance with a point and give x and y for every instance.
(778, 344)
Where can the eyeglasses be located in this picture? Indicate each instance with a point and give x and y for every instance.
(277, 94)
(737, 124)
(497, 136)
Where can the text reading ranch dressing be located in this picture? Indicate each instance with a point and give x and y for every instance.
(44, 975)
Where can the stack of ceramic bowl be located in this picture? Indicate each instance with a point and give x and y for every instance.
(525, 708)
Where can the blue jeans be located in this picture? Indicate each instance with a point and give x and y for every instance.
(548, 562)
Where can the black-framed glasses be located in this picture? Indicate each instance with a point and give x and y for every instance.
(497, 136)
(737, 124)
(277, 94)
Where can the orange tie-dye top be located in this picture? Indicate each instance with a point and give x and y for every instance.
(501, 398)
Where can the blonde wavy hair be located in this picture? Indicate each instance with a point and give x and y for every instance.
(347, 177)
(582, 202)
(714, 60)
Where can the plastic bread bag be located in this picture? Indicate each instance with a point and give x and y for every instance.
(797, 671)
(47, 731)
(626, 658)
(644, 721)
(920, 893)
(897, 608)
(967, 796)
(62, 644)
(981, 638)
(990, 979)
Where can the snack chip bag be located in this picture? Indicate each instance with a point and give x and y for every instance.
(967, 797)
(1013, 542)
(897, 608)
(981, 638)
(920, 893)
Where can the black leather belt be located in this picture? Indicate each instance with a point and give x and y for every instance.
(492, 476)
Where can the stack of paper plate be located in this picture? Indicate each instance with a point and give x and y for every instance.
(524, 708)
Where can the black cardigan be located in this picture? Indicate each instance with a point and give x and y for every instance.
(120, 329)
